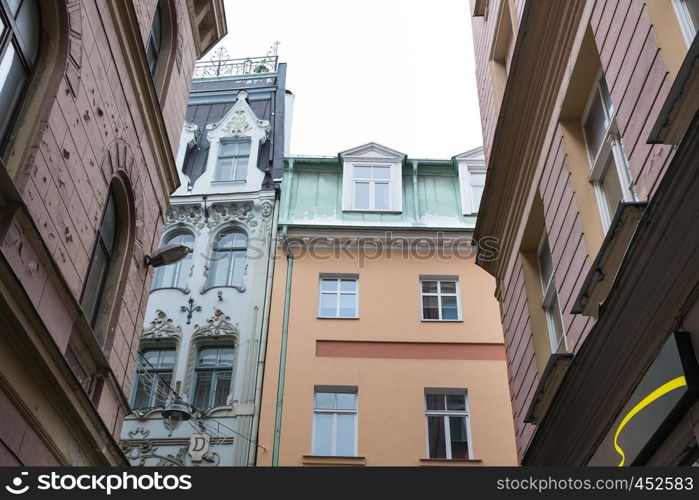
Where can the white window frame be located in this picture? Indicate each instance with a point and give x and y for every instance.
(446, 414)
(550, 298)
(143, 368)
(177, 275)
(395, 187)
(335, 412)
(469, 189)
(684, 17)
(217, 170)
(611, 145)
(338, 293)
(439, 295)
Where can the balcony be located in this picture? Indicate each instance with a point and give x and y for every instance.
(219, 66)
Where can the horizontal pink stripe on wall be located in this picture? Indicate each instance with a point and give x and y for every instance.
(409, 350)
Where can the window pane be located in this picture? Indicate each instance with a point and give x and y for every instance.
(611, 186)
(449, 308)
(164, 380)
(348, 305)
(183, 269)
(207, 357)
(435, 401)
(14, 5)
(476, 196)
(220, 265)
(238, 268)
(202, 389)
(429, 287)
(328, 285)
(241, 168)
(165, 276)
(430, 307)
(143, 389)
(361, 195)
(325, 400)
(166, 359)
(459, 439)
(382, 173)
(362, 172)
(345, 435)
(93, 285)
(28, 27)
(348, 285)
(456, 402)
(12, 80)
(447, 286)
(693, 11)
(323, 434)
(243, 148)
(381, 196)
(108, 225)
(595, 126)
(545, 264)
(224, 169)
(436, 437)
(558, 333)
(346, 400)
(328, 304)
(223, 387)
(225, 356)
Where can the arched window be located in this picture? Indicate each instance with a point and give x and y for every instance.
(154, 41)
(175, 275)
(20, 29)
(213, 374)
(100, 263)
(228, 258)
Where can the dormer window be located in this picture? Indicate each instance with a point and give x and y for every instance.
(372, 179)
(233, 159)
(371, 187)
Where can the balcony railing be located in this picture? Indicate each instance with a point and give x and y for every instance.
(216, 67)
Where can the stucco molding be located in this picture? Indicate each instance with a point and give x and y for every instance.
(161, 327)
(218, 325)
(190, 216)
(239, 121)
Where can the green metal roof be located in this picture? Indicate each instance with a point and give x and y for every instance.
(311, 195)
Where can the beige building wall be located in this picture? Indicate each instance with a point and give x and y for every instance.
(380, 353)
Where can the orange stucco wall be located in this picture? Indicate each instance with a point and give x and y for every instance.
(391, 401)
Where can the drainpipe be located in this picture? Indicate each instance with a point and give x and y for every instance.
(416, 200)
(259, 377)
(282, 359)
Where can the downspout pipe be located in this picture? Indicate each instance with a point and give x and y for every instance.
(282, 359)
(259, 377)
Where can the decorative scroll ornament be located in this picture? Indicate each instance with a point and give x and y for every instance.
(161, 327)
(219, 325)
(234, 212)
(192, 215)
(239, 121)
(238, 125)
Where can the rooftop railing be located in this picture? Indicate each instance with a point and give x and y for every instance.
(216, 67)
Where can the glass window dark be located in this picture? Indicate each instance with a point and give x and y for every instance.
(154, 41)
(20, 27)
(447, 426)
(99, 265)
(228, 259)
(213, 376)
(153, 378)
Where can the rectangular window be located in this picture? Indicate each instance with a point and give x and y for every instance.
(213, 376)
(550, 303)
(153, 378)
(440, 299)
(232, 163)
(448, 429)
(609, 167)
(476, 185)
(335, 422)
(338, 297)
(688, 14)
(371, 187)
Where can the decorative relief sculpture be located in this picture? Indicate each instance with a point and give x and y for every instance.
(161, 327)
(192, 215)
(218, 325)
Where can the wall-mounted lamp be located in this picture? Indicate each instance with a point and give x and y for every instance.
(169, 254)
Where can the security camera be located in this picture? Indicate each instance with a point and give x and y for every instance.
(169, 254)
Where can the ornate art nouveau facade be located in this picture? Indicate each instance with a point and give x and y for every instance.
(205, 325)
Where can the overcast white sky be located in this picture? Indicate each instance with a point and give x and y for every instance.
(397, 72)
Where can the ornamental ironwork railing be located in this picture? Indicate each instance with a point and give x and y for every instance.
(216, 67)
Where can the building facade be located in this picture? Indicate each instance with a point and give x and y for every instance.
(92, 97)
(590, 137)
(384, 346)
(205, 326)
